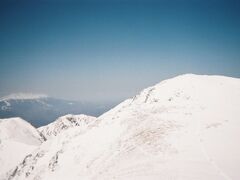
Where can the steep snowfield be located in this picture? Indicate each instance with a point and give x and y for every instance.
(65, 122)
(17, 139)
(186, 128)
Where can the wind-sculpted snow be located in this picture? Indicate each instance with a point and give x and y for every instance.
(182, 128)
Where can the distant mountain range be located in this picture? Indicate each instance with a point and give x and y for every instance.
(41, 110)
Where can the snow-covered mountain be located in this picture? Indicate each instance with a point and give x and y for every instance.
(65, 122)
(40, 110)
(186, 128)
(17, 139)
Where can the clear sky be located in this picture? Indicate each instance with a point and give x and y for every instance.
(109, 50)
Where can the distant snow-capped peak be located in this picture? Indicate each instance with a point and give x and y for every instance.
(22, 96)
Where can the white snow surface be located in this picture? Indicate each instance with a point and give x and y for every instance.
(65, 122)
(187, 127)
(17, 139)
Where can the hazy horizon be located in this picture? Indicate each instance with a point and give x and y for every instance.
(108, 51)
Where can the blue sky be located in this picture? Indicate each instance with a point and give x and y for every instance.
(109, 50)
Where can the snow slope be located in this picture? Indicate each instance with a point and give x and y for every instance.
(17, 139)
(187, 127)
(65, 122)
